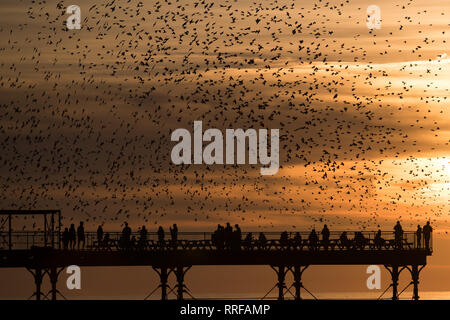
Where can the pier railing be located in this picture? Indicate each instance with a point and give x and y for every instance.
(113, 241)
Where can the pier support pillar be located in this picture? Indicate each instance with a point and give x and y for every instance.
(38, 275)
(297, 272)
(163, 276)
(180, 272)
(415, 281)
(281, 276)
(163, 273)
(395, 275)
(415, 271)
(38, 280)
(53, 274)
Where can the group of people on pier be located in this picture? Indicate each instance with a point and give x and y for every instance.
(426, 233)
(226, 237)
(229, 238)
(129, 241)
(70, 236)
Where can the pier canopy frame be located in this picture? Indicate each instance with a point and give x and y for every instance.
(52, 228)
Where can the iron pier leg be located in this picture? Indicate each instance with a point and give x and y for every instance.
(179, 273)
(395, 275)
(281, 274)
(38, 275)
(163, 276)
(298, 271)
(53, 275)
(415, 271)
(163, 273)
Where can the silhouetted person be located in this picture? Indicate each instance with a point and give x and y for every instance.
(218, 237)
(80, 235)
(313, 239)
(284, 239)
(398, 232)
(238, 231)
(72, 236)
(161, 235)
(126, 236)
(143, 237)
(378, 241)
(262, 240)
(66, 238)
(236, 238)
(325, 237)
(174, 233)
(427, 234)
(99, 235)
(419, 236)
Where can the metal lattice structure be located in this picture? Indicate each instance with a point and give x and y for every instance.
(52, 229)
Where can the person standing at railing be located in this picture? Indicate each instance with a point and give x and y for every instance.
(262, 240)
(218, 237)
(99, 236)
(398, 232)
(427, 229)
(378, 241)
(174, 233)
(284, 239)
(238, 231)
(126, 236)
(419, 236)
(80, 235)
(313, 239)
(161, 235)
(325, 237)
(72, 236)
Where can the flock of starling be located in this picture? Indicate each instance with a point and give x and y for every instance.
(86, 115)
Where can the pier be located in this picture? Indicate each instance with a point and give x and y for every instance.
(43, 254)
